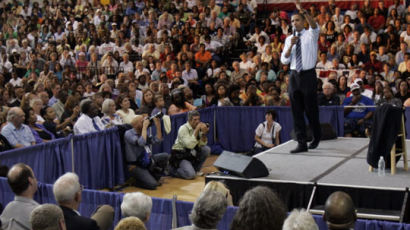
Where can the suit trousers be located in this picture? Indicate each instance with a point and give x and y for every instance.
(303, 98)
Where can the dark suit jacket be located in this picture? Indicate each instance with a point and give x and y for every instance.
(75, 222)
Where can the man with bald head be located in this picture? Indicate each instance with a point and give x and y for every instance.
(23, 183)
(143, 166)
(18, 134)
(339, 211)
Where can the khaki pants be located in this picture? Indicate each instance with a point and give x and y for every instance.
(104, 216)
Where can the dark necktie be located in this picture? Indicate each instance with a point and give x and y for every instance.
(96, 126)
(299, 65)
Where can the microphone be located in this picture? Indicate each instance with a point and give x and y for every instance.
(294, 31)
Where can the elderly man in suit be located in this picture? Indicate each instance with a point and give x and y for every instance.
(67, 192)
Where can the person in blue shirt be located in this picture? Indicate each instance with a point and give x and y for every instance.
(358, 119)
(17, 134)
(145, 167)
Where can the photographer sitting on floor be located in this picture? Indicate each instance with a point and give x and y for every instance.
(190, 150)
(142, 165)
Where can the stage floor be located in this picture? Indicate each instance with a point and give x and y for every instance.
(341, 162)
(307, 179)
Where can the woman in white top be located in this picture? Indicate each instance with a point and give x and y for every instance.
(125, 112)
(110, 118)
(267, 133)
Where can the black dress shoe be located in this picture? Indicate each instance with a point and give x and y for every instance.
(300, 148)
(314, 144)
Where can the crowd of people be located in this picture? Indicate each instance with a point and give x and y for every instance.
(260, 208)
(145, 57)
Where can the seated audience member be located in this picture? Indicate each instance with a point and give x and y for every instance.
(145, 167)
(208, 210)
(88, 121)
(23, 183)
(221, 188)
(259, 209)
(328, 96)
(67, 192)
(190, 149)
(17, 134)
(159, 105)
(403, 91)
(110, 118)
(136, 204)
(267, 133)
(52, 124)
(130, 223)
(300, 220)
(388, 98)
(47, 217)
(339, 213)
(357, 120)
(124, 111)
(4, 144)
(40, 133)
(179, 104)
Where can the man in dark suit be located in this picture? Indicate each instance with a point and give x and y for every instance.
(67, 192)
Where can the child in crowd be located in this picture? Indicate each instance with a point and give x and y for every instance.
(159, 105)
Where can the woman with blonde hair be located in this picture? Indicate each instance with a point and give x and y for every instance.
(219, 187)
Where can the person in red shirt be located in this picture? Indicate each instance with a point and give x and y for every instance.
(373, 63)
(377, 20)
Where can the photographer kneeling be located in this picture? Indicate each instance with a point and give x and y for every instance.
(190, 150)
(142, 165)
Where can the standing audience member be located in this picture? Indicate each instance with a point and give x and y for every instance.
(339, 213)
(23, 183)
(47, 217)
(68, 194)
(208, 210)
(190, 149)
(136, 204)
(17, 134)
(259, 209)
(300, 220)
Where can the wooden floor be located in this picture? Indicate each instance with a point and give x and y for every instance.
(186, 190)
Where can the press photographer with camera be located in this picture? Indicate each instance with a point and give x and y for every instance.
(145, 167)
(190, 149)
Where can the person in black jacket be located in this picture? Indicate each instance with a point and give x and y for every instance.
(67, 192)
(328, 96)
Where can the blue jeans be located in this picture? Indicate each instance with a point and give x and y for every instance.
(187, 169)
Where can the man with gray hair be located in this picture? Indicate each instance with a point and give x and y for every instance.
(300, 220)
(328, 97)
(136, 204)
(47, 217)
(190, 150)
(17, 134)
(208, 210)
(23, 183)
(67, 192)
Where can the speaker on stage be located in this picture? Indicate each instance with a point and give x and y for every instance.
(241, 165)
(328, 132)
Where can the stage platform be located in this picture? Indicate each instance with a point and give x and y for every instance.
(305, 180)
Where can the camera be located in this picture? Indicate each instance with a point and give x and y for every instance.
(207, 124)
(158, 115)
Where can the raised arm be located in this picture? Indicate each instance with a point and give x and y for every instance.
(308, 17)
